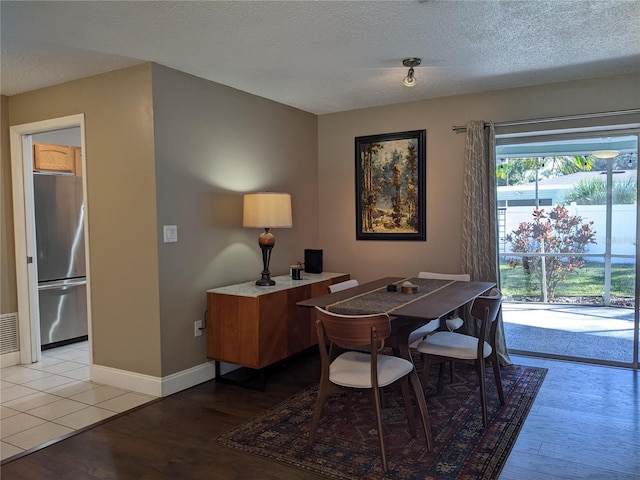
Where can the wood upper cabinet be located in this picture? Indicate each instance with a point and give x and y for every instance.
(57, 158)
(77, 161)
(258, 326)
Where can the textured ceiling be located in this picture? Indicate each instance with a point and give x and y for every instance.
(324, 56)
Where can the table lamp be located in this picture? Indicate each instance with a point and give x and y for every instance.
(266, 210)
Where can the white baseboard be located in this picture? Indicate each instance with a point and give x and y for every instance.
(150, 385)
(179, 381)
(9, 359)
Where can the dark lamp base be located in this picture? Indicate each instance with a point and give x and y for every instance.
(266, 239)
(265, 282)
(266, 242)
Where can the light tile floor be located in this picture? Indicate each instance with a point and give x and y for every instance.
(43, 401)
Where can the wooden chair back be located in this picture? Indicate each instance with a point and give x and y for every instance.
(354, 330)
(485, 309)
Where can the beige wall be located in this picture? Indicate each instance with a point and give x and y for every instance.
(366, 260)
(214, 143)
(166, 148)
(8, 293)
(121, 207)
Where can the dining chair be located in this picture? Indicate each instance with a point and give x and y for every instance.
(337, 287)
(446, 346)
(452, 324)
(452, 320)
(359, 370)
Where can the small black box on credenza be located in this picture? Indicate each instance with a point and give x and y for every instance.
(312, 261)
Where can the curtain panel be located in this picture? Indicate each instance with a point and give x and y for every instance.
(479, 228)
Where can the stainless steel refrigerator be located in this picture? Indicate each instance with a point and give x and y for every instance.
(61, 259)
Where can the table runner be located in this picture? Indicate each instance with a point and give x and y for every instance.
(383, 301)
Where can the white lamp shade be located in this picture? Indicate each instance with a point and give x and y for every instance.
(267, 210)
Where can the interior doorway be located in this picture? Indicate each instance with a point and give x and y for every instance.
(59, 217)
(567, 233)
(23, 137)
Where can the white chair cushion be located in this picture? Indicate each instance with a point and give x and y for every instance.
(454, 345)
(418, 335)
(461, 277)
(338, 287)
(454, 323)
(353, 369)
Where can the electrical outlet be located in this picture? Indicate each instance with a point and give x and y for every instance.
(197, 328)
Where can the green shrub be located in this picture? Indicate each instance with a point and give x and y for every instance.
(594, 192)
(558, 233)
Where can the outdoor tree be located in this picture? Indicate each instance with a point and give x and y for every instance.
(518, 171)
(622, 161)
(557, 232)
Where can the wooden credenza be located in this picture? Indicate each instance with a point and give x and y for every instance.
(255, 326)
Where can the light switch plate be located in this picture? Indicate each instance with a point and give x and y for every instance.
(170, 233)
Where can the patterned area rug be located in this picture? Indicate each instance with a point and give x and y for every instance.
(462, 447)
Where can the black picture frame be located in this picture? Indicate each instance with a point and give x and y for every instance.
(391, 186)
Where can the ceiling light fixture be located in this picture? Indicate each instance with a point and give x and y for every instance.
(410, 79)
(605, 153)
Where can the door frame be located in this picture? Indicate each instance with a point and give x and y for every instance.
(25, 235)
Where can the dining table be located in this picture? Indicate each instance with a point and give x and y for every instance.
(408, 310)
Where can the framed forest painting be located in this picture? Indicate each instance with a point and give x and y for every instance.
(390, 186)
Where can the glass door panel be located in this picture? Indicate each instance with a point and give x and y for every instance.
(567, 214)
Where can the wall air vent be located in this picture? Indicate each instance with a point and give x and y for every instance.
(9, 341)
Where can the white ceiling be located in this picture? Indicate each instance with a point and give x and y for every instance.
(324, 56)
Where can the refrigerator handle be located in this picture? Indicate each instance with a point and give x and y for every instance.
(62, 284)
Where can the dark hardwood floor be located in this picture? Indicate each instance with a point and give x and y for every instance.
(173, 438)
(584, 424)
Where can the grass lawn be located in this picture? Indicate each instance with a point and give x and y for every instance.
(586, 282)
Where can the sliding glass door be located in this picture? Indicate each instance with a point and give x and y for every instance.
(567, 232)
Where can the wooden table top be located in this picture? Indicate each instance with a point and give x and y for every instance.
(434, 299)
